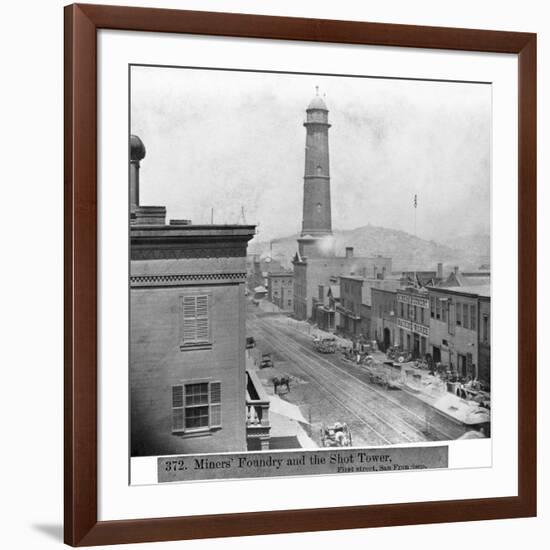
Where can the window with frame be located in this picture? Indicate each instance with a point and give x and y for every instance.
(195, 320)
(432, 306)
(437, 308)
(196, 406)
(459, 314)
(473, 317)
(485, 332)
(465, 316)
(444, 311)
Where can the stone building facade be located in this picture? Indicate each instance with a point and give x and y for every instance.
(365, 311)
(352, 290)
(383, 327)
(458, 327)
(325, 308)
(413, 320)
(377, 311)
(309, 273)
(280, 290)
(258, 270)
(484, 340)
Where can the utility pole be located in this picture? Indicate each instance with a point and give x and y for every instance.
(415, 206)
(212, 216)
(242, 217)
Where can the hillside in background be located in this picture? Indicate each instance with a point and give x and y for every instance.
(406, 250)
(479, 244)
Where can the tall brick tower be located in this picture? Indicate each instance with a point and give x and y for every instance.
(316, 237)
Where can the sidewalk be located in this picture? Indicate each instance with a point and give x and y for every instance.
(312, 330)
(286, 419)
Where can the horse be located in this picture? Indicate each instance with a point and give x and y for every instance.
(282, 381)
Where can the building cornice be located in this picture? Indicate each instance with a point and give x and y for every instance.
(176, 252)
(185, 279)
(160, 242)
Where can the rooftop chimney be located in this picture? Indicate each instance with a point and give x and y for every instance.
(150, 215)
(141, 215)
(440, 270)
(349, 252)
(137, 154)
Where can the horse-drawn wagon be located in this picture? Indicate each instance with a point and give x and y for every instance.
(325, 344)
(337, 435)
(266, 361)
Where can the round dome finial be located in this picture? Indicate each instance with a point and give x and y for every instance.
(317, 102)
(137, 149)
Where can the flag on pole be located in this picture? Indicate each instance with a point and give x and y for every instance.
(415, 201)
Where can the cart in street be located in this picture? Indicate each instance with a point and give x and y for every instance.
(337, 435)
(325, 345)
(266, 361)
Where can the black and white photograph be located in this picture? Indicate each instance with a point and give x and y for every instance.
(292, 261)
(310, 268)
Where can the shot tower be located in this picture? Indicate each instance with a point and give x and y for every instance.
(316, 237)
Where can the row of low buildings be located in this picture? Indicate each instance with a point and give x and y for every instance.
(447, 320)
(267, 278)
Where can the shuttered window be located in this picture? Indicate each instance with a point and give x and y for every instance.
(196, 406)
(177, 409)
(451, 319)
(196, 319)
(485, 333)
(215, 404)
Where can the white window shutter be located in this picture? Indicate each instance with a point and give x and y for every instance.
(189, 319)
(215, 404)
(203, 328)
(196, 322)
(177, 409)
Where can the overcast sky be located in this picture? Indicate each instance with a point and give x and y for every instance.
(226, 139)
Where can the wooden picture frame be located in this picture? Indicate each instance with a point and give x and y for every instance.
(80, 187)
